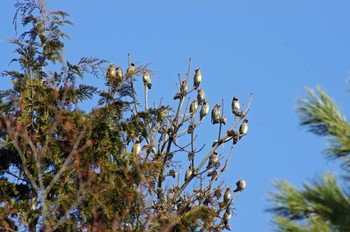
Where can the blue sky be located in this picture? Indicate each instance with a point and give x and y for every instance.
(273, 49)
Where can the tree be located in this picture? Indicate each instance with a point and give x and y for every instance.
(323, 204)
(108, 168)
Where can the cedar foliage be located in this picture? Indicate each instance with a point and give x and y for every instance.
(64, 168)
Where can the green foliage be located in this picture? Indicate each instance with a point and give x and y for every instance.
(321, 205)
(66, 169)
(323, 117)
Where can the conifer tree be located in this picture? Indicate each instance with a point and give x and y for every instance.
(324, 203)
(114, 167)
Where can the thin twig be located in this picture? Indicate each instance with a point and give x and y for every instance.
(14, 175)
(146, 98)
(42, 193)
(235, 198)
(133, 94)
(222, 116)
(227, 161)
(183, 97)
(182, 148)
(223, 138)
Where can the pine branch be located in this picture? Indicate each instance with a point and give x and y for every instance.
(322, 116)
(319, 203)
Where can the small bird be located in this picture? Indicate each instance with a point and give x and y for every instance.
(227, 195)
(223, 120)
(200, 96)
(136, 147)
(236, 108)
(197, 78)
(119, 75)
(130, 70)
(215, 114)
(33, 200)
(226, 218)
(184, 87)
(243, 129)
(217, 193)
(213, 174)
(204, 110)
(183, 90)
(193, 107)
(227, 215)
(240, 186)
(161, 113)
(177, 96)
(188, 172)
(148, 148)
(213, 159)
(147, 79)
(172, 173)
(111, 73)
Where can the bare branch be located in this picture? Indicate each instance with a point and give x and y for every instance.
(223, 138)
(14, 175)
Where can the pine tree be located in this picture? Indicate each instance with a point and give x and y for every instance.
(324, 203)
(64, 168)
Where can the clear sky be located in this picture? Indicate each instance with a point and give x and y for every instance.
(273, 49)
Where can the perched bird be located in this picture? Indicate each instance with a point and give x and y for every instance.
(119, 74)
(130, 70)
(172, 173)
(177, 96)
(204, 110)
(148, 148)
(243, 129)
(111, 73)
(226, 218)
(227, 215)
(213, 174)
(191, 127)
(200, 96)
(188, 172)
(33, 200)
(161, 113)
(236, 108)
(184, 87)
(213, 159)
(223, 120)
(227, 195)
(215, 114)
(136, 147)
(197, 78)
(147, 79)
(240, 186)
(183, 90)
(217, 193)
(208, 200)
(193, 107)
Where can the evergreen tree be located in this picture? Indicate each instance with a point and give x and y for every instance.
(64, 168)
(324, 203)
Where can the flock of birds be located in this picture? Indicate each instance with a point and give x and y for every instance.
(116, 74)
